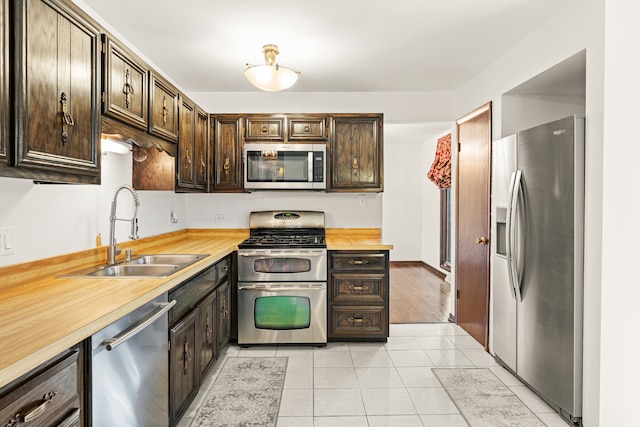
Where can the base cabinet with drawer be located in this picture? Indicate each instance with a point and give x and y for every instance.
(48, 396)
(196, 322)
(358, 295)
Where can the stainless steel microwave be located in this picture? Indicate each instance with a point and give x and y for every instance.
(285, 166)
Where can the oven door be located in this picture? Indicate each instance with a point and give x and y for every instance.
(275, 265)
(282, 313)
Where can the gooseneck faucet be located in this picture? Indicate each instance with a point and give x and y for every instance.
(113, 249)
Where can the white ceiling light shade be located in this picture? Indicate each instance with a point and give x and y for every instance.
(270, 77)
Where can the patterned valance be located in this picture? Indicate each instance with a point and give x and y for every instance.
(440, 172)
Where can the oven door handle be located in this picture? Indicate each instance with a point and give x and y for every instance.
(280, 255)
(281, 288)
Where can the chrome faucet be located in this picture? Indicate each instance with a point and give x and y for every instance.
(113, 249)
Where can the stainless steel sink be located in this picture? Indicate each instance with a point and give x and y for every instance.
(139, 270)
(155, 265)
(174, 259)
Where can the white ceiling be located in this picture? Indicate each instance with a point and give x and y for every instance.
(337, 45)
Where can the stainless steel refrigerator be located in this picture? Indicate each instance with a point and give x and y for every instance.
(537, 260)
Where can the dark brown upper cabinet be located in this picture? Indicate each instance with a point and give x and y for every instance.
(307, 128)
(5, 103)
(227, 153)
(163, 108)
(125, 83)
(56, 85)
(265, 128)
(192, 147)
(356, 153)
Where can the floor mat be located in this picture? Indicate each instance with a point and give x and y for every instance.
(246, 392)
(484, 400)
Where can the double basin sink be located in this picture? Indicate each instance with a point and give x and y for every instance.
(156, 265)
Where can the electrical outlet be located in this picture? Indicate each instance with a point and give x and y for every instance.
(175, 217)
(362, 201)
(220, 217)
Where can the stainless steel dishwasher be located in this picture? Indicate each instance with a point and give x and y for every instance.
(129, 369)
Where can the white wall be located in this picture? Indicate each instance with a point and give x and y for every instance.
(620, 351)
(577, 26)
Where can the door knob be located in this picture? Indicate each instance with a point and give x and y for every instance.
(482, 240)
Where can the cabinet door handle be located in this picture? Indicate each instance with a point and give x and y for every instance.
(67, 118)
(264, 129)
(35, 412)
(355, 165)
(306, 129)
(127, 89)
(358, 262)
(227, 165)
(165, 110)
(187, 357)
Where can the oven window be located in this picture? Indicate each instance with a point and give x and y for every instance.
(282, 265)
(282, 312)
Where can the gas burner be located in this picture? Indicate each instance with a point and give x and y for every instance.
(278, 229)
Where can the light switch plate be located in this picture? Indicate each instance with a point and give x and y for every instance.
(6, 241)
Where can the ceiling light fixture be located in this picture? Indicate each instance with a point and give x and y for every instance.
(270, 77)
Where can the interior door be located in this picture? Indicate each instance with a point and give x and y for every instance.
(472, 222)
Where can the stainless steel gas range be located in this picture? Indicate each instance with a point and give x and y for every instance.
(282, 279)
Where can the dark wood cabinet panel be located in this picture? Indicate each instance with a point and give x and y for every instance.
(201, 150)
(356, 150)
(184, 373)
(208, 327)
(264, 128)
(309, 128)
(358, 322)
(224, 314)
(49, 395)
(227, 154)
(56, 89)
(125, 85)
(186, 144)
(5, 103)
(163, 108)
(358, 295)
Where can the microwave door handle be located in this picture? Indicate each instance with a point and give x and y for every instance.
(310, 166)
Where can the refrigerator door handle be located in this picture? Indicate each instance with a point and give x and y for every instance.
(512, 214)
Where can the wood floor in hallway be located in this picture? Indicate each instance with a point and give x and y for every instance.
(417, 295)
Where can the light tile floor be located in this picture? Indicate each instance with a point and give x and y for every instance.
(378, 384)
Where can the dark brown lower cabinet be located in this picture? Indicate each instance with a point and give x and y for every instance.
(224, 314)
(47, 396)
(184, 375)
(358, 296)
(199, 328)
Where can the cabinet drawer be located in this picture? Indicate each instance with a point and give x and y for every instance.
(224, 268)
(264, 129)
(358, 322)
(49, 398)
(358, 288)
(307, 128)
(189, 294)
(358, 261)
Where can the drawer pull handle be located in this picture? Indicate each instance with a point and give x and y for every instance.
(358, 261)
(360, 288)
(35, 412)
(307, 129)
(356, 320)
(264, 129)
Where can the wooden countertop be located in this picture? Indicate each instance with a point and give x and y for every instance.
(42, 315)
